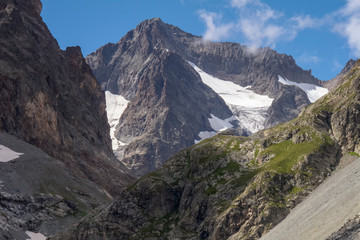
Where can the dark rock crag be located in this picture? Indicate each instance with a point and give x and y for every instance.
(49, 97)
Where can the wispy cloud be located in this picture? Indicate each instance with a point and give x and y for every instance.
(307, 58)
(215, 31)
(257, 23)
(349, 24)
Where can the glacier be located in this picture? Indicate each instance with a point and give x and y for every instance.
(313, 91)
(249, 108)
(115, 106)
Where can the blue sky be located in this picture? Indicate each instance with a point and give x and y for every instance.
(321, 35)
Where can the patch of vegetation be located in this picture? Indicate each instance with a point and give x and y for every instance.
(230, 167)
(211, 190)
(353, 154)
(222, 181)
(245, 178)
(79, 213)
(295, 190)
(287, 153)
(222, 205)
(277, 204)
(159, 226)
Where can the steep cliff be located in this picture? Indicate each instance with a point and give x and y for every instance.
(49, 97)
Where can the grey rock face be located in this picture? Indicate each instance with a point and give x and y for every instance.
(124, 68)
(334, 83)
(350, 230)
(38, 194)
(287, 105)
(50, 98)
(170, 108)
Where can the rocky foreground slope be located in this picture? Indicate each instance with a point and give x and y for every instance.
(37, 192)
(151, 68)
(229, 187)
(325, 210)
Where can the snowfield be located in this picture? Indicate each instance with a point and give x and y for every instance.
(232, 93)
(313, 92)
(6, 154)
(218, 125)
(249, 108)
(115, 106)
(35, 236)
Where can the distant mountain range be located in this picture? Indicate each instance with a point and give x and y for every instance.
(171, 106)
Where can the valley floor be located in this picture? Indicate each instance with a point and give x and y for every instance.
(326, 210)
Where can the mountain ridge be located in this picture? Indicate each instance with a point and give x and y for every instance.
(119, 68)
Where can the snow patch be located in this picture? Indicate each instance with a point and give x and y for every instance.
(115, 106)
(250, 108)
(313, 91)
(35, 236)
(218, 125)
(204, 135)
(6, 154)
(233, 93)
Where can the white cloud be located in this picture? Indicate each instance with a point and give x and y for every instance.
(241, 3)
(308, 58)
(349, 25)
(303, 22)
(257, 24)
(214, 32)
(351, 7)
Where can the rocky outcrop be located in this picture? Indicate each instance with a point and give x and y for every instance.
(287, 105)
(334, 83)
(50, 98)
(123, 68)
(350, 230)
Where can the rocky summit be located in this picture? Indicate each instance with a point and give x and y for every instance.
(231, 187)
(170, 105)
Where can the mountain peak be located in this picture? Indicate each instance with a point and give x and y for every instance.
(153, 20)
(33, 6)
(150, 23)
